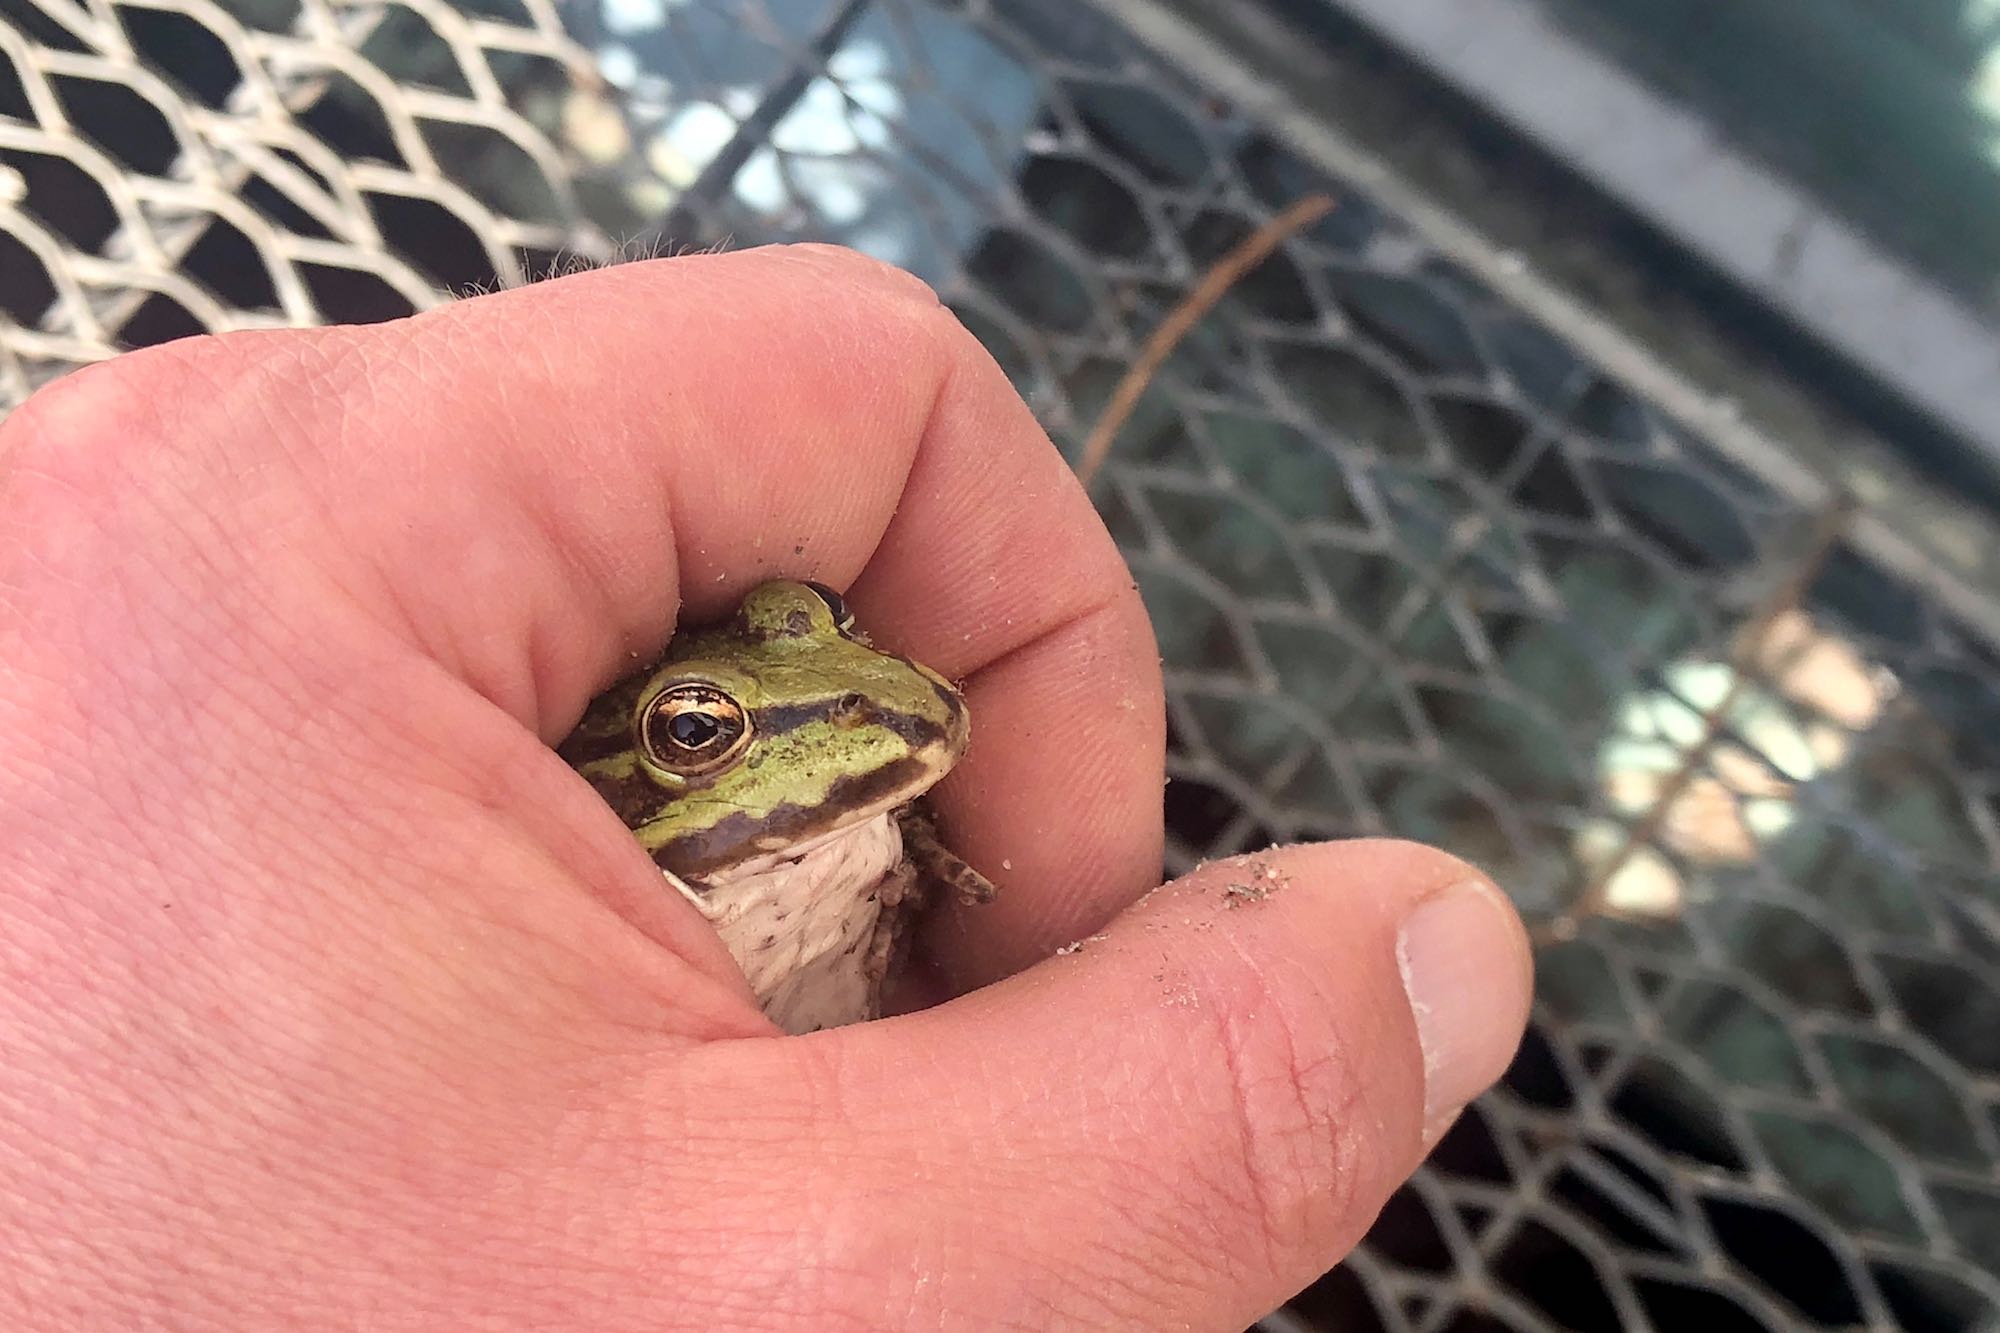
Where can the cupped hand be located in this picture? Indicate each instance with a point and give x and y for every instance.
(330, 997)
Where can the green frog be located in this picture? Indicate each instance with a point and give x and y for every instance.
(772, 765)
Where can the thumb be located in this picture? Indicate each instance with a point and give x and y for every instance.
(1185, 1119)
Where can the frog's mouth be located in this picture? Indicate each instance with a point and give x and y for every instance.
(739, 835)
(763, 863)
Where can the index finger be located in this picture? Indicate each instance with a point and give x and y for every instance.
(833, 421)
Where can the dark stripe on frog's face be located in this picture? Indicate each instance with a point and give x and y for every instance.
(605, 729)
(914, 728)
(838, 731)
(812, 769)
(603, 748)
(738, 836)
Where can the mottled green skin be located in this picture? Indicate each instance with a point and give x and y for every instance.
(839, 732)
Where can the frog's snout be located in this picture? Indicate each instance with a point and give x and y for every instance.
(957, 722)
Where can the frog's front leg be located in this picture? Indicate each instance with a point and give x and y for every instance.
(902, 894)
(939, 867)
(927, 868)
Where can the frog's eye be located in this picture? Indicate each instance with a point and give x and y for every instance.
(843, 619)
(692, 730)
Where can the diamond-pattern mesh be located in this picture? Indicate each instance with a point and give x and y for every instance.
(1417, 565)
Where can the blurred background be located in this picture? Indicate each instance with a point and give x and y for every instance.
(1599, 480)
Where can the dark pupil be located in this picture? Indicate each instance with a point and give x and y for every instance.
(691, 731)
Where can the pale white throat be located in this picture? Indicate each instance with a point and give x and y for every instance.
(802, 922)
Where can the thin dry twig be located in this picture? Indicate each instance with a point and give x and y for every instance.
(1224, 274)
(1594, 900)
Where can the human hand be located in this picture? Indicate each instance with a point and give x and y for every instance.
(330, 997)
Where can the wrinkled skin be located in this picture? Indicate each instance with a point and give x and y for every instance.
(331, 998)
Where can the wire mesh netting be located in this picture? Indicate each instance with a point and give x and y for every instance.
(1417, 565)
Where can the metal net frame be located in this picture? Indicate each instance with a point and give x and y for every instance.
(1419, 565)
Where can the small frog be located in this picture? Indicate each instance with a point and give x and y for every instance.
(772, 766)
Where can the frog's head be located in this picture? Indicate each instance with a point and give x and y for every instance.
(767, 732)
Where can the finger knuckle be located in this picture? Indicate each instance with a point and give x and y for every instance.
(1298, 1111)
(105, 407)
(883, 313)
(877, 277)
(98, 428)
